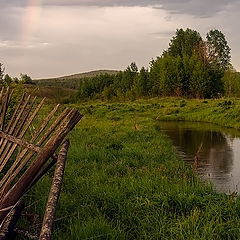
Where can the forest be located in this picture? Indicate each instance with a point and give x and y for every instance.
(190, 67)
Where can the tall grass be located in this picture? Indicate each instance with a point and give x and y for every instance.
(124, 181)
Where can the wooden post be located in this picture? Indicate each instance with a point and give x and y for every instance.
(49, 216)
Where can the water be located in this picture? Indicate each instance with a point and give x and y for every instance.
(219, 151)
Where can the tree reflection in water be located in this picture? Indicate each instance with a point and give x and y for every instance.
(218, 159)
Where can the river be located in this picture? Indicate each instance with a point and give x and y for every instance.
(218, 150)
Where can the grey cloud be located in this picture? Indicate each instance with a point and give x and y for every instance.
(199, 8)
(164, 34)
(203, 8)
(9, 24)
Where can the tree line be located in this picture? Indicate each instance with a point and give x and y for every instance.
(190, 67)
(6, 80)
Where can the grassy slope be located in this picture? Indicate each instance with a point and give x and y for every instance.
(124, 181)
(54, 94)
(71, 81)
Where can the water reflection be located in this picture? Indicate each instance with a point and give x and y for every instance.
(219, 151)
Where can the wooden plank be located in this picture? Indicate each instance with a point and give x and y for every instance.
(50, 211)
(44, 124)
(19, 142)
(19, 116)
(17, 191)
(1, 94)
(20, 102)
(9, 149)
(13, 173)
(4, 108)
(11, 131)
(23, 153)
(6, 99)
(29, 121)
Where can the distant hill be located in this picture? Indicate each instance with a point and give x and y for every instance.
(71, 81)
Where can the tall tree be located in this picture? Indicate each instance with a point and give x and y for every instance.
(129, 75)
(219, 51)
(184, 43)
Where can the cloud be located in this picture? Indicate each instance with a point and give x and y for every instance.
(203, 8)
(73, 36)
(164, 34)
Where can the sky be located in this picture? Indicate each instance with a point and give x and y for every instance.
(50, 38)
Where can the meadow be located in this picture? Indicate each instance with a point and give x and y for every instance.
(123, 179)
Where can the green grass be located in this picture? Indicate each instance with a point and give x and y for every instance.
(71, 81)
(123, 179)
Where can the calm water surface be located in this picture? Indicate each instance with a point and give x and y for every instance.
(219, 155)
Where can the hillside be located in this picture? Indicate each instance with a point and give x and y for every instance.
(71, 81)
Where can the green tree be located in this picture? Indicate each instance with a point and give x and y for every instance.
(229, 80)
(184, 43)
(218, 49)
(1, 72)
(128, 77)
(7, 80)
(24, 78)
(154, 83)
(199, 79)
(143, 81)
(190, 66)
(15, 80)
(166, 73)
(140, 85)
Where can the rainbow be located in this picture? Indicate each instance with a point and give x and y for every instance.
(33, 11)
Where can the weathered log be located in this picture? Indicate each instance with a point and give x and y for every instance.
(50, 212)
(7, 227)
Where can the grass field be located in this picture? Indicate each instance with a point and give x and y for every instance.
(123, 179)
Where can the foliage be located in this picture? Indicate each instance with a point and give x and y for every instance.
(24, 78)
(186, 76)
(231, 80)
(1, 72)
(7, 80)
(127, 84)
(15, 79)
(189, 68)
(184, 43)
(219, 50)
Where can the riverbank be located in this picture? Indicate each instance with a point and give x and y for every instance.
(123, 179)
(224, 112)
